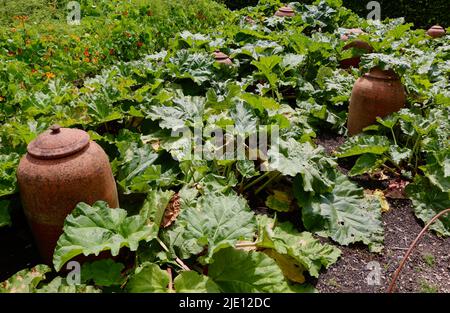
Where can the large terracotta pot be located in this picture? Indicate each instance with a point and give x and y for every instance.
(377, 93)
(62, 168)
(285, 12)
(222, 58)
(436, 31)
(358, 44)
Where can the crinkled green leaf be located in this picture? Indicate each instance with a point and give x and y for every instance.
(217, 222)
(437, 169)
(428, 200)
(8, 180)
(367, 163)
(137, 168)
(103, 272)
(364, 144)
(92, 229)
(186, 111)
(148, 278)
(294, 158)
(154, 206)
(238, 271)
(302, 247)
(344, 214)
(193, 282)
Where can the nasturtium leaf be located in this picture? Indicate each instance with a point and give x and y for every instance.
(92, 229)
(292, 158)
(193, 282)
(344, 214)
(301, 247)
(428, 200)
(238, 271)
(5, 218)
(364, 144)
(103, 272)
(25, 281)
(217, 222)
(148, 278)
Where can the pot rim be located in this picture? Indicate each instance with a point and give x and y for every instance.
(376, 73)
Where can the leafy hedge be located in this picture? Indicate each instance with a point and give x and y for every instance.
(423, 13)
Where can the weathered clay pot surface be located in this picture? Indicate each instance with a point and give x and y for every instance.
(222, 57)
(285, 12)
(61, 169)
(436, 31)
(377, 93)
(358, 44)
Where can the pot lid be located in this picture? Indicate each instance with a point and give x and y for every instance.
(378, 73)
(220, 55)
(58, 142)
(438, 27)
(286, 10)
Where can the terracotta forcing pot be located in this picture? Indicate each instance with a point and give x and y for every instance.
(358, 44)
(285, 12)
(436, 31)
(377, 93)
(222, 58)
(62, 168)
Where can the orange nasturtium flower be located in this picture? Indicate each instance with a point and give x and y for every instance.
(50, 75)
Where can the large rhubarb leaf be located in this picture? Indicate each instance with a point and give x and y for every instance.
(363, 144)
(137, 168)
(103, 272)
(186, 111)
(239, 271)
(92, 229)
(428, 200)
(216, 222)
(154, 206)
(148, 278)
(344, 214)
(193, 282)
(292, 158)
(304, 250)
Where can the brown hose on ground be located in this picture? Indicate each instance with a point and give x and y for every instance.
(411, 248)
